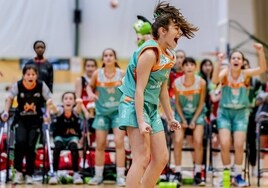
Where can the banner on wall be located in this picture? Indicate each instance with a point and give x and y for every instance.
(58, 64)
(75, 64)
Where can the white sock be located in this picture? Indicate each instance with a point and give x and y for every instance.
(238, 169)
(261, 163)
(227, 166)
(82, 163)
(215, 160)
(177, 169)
(197, 168)
(18, 172)
(99, 171)
(120, 171)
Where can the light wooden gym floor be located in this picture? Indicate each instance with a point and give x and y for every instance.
(186, 160)
(264, 183)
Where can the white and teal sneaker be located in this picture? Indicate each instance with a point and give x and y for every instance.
(121, 181)
(96, 180)
(18, 179)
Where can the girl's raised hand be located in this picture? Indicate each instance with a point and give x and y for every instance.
(79, 100)
(220, 58)
(258, 46)
(49, 102)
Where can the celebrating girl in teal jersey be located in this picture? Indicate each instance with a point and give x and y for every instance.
(144, 85)
(233, 111)
(106, 81)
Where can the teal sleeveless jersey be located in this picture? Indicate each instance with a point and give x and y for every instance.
(108, 92)
(189, 96)
(234, 93)
(159, 73)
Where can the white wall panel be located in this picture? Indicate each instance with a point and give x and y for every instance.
(23, 22)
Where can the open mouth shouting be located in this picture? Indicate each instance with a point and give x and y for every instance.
(68, 105)
(236, 64)
(176, 40)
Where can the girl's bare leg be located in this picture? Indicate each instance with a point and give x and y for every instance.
(140, 150)
(159, 159)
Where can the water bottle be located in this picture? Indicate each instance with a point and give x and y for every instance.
(226, 178)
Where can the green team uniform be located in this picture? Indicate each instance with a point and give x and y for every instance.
(109, 97)
(159, 74)
(189, 98)
(233, 111)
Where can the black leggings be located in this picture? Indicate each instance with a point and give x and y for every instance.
(72, 146)
(251, 139)
(26, 136)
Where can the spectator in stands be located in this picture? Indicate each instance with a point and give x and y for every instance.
(105, 82)
(233, 110)
(88, 107)
(206, 70)
(66, 132)
(190, 91)
(45, 68)
(31, 96)
(175, 72)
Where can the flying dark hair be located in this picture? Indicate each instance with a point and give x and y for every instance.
(164, 14)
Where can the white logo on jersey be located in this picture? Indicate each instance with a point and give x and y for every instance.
(37, 95)
(124, 114)
(101, 122)
(111, 99)
(157, 85)
(189, 107)
(110, 90)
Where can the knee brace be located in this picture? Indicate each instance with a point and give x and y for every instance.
(59, 145)
(73, 146)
